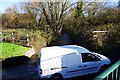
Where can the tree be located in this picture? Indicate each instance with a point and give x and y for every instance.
(79, 10)
(10, 19)
(53, 13)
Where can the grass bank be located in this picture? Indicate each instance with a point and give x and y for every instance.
(11, 50)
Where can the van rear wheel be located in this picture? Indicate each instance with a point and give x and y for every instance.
(56, 77)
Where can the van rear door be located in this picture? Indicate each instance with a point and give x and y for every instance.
(39, 69)
(74, 67)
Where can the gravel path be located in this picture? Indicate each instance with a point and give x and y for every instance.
(29, 53)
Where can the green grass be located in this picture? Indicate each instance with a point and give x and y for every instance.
(11, 50)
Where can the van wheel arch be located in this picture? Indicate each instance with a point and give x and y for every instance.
(103, 68)
(56, 76)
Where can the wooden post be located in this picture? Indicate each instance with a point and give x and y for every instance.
(0, 36)
(28, 40)
(13, 38)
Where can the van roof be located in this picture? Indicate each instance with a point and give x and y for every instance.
(54, 51)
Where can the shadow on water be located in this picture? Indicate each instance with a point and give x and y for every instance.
(19, 68)
(14, 61)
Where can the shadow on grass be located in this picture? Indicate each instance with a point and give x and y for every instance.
(14, 61)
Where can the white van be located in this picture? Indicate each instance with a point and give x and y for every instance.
(58, 62)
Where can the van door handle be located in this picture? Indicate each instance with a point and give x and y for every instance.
(85, 65)
(79, 66)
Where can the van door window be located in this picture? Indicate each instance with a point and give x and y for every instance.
(87, 57)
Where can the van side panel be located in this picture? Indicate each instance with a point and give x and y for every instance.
(74, 65)
(54, 65)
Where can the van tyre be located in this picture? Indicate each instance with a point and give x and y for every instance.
(56, 77)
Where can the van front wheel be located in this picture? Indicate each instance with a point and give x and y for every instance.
(56, 77)
(103, 68)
